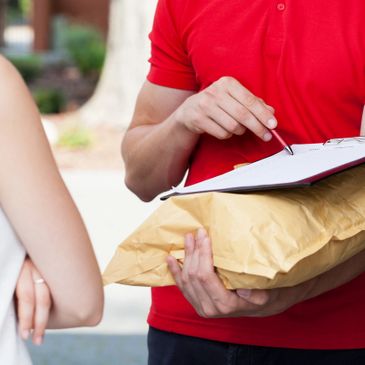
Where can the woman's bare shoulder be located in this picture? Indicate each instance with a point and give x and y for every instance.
(10, 76)
(13, 90)
(7, 70)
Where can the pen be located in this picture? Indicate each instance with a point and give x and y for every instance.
(282, 142)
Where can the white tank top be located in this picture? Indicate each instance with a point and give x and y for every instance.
(12, 253)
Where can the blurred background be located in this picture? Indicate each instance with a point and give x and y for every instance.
(84, 62)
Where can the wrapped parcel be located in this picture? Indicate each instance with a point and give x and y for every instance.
(260, 240)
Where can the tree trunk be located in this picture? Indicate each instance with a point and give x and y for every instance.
(126, 64)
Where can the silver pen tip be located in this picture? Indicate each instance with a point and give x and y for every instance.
(288, 148)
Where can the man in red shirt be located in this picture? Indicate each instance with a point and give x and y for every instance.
(223, 74)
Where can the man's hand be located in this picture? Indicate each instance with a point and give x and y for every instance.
(33, 303)
(167, 124)
(224, 109)
(206, 293)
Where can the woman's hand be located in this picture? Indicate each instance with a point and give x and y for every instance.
(204, 290)
(33, 300)
(224, 109)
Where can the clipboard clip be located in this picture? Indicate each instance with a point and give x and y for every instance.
(337, 141)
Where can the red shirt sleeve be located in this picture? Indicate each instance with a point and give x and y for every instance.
(170, 64)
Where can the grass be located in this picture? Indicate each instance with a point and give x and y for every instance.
(76, 137)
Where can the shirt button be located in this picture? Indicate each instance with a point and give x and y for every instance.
(280, 6)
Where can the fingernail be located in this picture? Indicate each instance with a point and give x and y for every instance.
(25, 334)
(38, 340)
(267, 137)
(244, 293)
(272, 123)
(201, 233)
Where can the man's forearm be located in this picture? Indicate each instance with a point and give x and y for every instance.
(338, 276)
(156, 156)
(167, 124)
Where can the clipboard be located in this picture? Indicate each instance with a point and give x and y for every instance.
(309, 164)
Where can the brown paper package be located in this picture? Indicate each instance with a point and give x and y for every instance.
(260, 240)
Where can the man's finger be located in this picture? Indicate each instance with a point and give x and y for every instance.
(202, 303)
(175, 270)
(244, 117)
(227, 121)
(189, 245)
(252, 103)
(212, 127)
(209, 279)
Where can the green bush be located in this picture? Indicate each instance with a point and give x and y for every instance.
(25, 7)
(75, 137)
(49, 101)
(13, 16)
(86, 48)
(17, 11)
(29, 66)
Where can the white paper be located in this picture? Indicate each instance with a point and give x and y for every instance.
(282, 168)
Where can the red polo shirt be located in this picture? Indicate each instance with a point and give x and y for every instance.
(306, 58)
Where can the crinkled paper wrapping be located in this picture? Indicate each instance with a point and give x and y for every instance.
(260, 240)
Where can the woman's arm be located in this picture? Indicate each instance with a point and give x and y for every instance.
(41, 210)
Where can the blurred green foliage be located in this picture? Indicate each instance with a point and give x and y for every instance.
(86, 48)
(29, 66)
(13, 16)
(75, 137)
(49, 101)
(25, 7)
(18, 12)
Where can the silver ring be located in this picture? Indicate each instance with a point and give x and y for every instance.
(39, 281)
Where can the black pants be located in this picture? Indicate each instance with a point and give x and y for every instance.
(171, 349)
